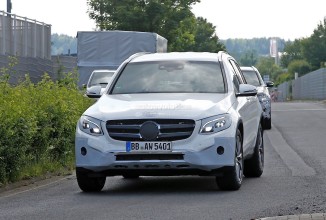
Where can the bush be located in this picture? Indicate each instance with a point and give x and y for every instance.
(37, 125)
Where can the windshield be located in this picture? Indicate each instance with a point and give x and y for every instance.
(251, 78)
(101, 78)
(170, 77)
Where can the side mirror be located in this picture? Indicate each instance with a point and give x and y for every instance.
(94, 91)
(247, 90)
(269, 84)
(84, 86)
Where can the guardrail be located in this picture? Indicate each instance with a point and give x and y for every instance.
(21, 36)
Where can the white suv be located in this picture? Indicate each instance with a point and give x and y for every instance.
(98, 81)
(172, 114)
(253, 77)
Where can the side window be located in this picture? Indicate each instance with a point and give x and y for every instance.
(238, 71)
(236, 80)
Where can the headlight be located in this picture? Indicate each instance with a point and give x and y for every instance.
(215, 124)
(263, 98)
(90, 125)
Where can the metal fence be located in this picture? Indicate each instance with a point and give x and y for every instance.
(21, 36)
(310, 86)
(284, 91)
(30, 42)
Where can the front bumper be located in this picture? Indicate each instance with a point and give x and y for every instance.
(266, 106)
(196, 155)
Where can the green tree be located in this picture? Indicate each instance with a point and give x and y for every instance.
(314, 48)
(206, 38)
(311, 49)
(292, 51)
(266, 65)
(185, 35)
(249, 58)
(171, 19)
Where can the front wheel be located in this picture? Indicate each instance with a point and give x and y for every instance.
(232, 180)
(90, 184)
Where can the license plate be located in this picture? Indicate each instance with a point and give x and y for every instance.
(148, 146)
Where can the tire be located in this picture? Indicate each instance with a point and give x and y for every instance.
(267, 123)
(90, 184)
(254, 166)
(232, 180)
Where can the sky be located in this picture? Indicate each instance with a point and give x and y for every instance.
(287, 19)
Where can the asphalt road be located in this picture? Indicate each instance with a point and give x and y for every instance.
(293, 183)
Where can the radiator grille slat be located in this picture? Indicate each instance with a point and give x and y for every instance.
(169, 129)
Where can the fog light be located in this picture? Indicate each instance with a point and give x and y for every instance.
(83, 151)
(220, 150)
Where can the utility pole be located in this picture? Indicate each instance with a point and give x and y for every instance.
(9, 6)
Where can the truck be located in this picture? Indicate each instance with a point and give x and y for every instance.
(108, 49)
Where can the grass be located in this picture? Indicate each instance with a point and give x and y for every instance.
(45, 169)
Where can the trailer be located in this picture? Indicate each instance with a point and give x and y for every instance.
(108, 49)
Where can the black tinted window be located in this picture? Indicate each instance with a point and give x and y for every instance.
(251, 77)
(100, 78)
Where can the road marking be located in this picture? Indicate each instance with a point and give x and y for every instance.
(292, 160)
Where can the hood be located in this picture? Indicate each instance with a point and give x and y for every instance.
(160, 105)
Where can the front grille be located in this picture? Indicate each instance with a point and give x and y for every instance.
(124, 157)
(169, 129)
